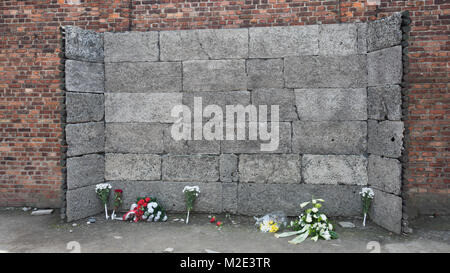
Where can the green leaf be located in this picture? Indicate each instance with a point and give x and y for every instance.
(287, 234)
(334, 235)
(299, 239)
(304, 204)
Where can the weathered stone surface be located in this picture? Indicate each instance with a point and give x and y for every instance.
(134, 138)
(135, 46)
(326, 71)
(84, 45)
(259, 199)
(284, 169)
(254, 146)
(334, 169)
(181, 147)
(203, 168)
(386, 211)
(204, 44)
(140, 107)
(384, 102)
(84, 76)
(386, 138)
(338, 39)
(85, 171)
(82, 202)
(144, 77)
(171, 196)
(230, 197)
(385, 66)
(329, 137)
(331, 104)
(284, 98)
(83, 107)
(265, 73)
(362, 37)
(214, 75)
(132, 167)
(275, 42)
(384, 33)
(85, 138)
(385, 174)
(228, 168)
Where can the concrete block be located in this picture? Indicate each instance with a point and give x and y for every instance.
(265, 73)
(385, 66)
(386, 211)
(384, 102)
(276, 42)
(284, 98)
(204, 44)
(85, 138)
(85, 171)
(143, 77)
(141, 107)
(338, 39)
(83, 45)
(230, 197)
(277, 169)
(329, 137)
(361, 29)
(203, 168)
(214, 75)
(181, 147)
(82, 202)
(134, 138)
(84, 76)
(134, 46)
(331, 104)
(83, 107)
(386, 138)
(384, 33)
(325, 71)
(228, 168)
(132, 167)
(385, 174)
(335, 169)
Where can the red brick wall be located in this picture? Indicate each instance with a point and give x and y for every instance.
(31, 94)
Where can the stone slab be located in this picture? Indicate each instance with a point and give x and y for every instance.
(230, 197)
(385, 174)
(132, 167)
(276, 42)
(386, 138)
(82, 202)
(131, 46)
(338, 39)
(265, 73)
(384, 33)
(141, 107)
(325, 71)
(362, 37)
(204, 44)
(202, 168)
(259, 199)
(277, 169)
(284, 98)
(385, 66)
(386, 211)
(329, 137)
(85, 138)
(85, 171)
(181, 147)
(134, 138)
(384, 102)
(214, 75)
(334, 169)
(84, 107)
(84, 76)
(143, 77)
(228, 168)
(331, 104)
(83, 45)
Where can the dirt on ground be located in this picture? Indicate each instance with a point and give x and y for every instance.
(22, 232)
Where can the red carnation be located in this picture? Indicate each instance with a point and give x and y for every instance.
(219, 224)
(118, 191)
(213, 219)
(147, 199)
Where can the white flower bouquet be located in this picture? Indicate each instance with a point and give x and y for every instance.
(312, 223)
(190, 193)
(367, 195)
(103, 190)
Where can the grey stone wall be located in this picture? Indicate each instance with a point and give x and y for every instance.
(337, 87)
